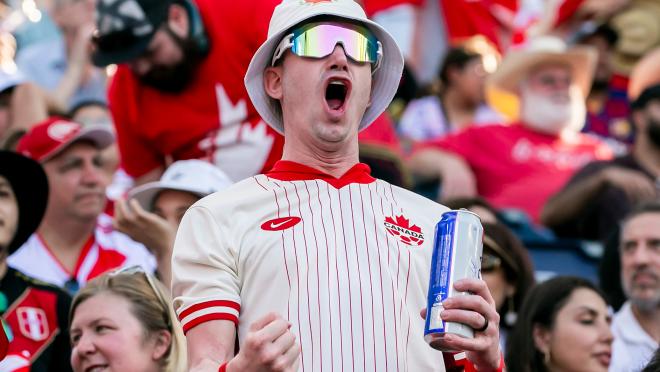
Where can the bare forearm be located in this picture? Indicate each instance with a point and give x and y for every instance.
(566, 204)
(429, 163)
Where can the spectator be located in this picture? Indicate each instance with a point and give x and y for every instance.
(563, 324)
(33, 313)
(169, 98)
(478, 205)
(636, 325)
(459, 104)
(123, 321)
(598, 196)
(75, 241)
(321, 206)
(60, 63)
(507, 270)
(154, 210)
(521, 165)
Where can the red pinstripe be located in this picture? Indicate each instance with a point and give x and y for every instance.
(380, 273)
(286, 265)
(366, 244)
(208, 304)
(357, 263)
(318, 280)
(334, 229)
(295, 252)
(208, 317)
(259, 183)
(307, 271)
(396, 334)
(348, 271)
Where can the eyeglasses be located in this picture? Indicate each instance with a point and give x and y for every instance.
(318, 40)
(132, 270)
(490, 262)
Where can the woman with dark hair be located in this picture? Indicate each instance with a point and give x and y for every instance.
(564, 324)
(507, 270)
(459, 100)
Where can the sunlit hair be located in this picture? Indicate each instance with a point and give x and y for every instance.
(150, 304)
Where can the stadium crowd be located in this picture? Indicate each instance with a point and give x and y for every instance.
(207, 185)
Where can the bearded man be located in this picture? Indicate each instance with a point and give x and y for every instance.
(520, 165)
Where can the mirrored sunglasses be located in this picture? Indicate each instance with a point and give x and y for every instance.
(318, 40)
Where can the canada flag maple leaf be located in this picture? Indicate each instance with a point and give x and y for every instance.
(414, 238)
(403, 222)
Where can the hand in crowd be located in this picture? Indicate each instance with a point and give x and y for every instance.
(457, 179)
(475, 310)
(637, 186)
(268, 346)
(144, 227)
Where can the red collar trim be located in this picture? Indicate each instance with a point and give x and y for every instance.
(285, 170)
(81, 257)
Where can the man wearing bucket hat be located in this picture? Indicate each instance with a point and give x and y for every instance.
(34, 314)
(316, 264)
(520, 165)
(599, 195)
(75, 242)
(178, 91)
(152, 212)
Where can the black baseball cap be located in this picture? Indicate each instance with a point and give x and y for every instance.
(649, 94)
(124, 28)
(30, 185)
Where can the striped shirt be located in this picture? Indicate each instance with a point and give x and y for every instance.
(345, 260)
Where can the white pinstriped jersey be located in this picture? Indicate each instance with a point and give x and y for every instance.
(345, 260)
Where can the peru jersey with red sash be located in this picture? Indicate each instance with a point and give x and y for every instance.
(34, 315)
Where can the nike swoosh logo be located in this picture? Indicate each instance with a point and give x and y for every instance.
(281, 223)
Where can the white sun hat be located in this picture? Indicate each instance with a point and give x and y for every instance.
(293, 12)
(194, 176)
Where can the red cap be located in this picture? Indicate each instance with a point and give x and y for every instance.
(49, 137)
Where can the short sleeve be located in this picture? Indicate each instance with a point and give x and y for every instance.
(205, 282)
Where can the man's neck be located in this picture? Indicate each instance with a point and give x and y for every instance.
(648, 155)
(649, 321)
(333, 162)
(66, 238)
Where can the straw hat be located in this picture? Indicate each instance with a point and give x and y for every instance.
(544, 49)
(293, 12)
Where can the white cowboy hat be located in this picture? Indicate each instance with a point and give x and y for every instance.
(292, 12)
(541, 50)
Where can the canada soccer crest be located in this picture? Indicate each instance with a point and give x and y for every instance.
(33, 323)
(401, 228)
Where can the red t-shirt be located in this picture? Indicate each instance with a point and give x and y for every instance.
(374, 6)
(213, 118)
(467, 18)
(516, 167)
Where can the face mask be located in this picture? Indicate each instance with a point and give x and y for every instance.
(175, 78)
(653, 131)
(545, 116)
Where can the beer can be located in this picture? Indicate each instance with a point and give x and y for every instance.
(457, 251)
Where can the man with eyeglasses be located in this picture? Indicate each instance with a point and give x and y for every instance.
(520, 165)
(316, 265)
(178, 93)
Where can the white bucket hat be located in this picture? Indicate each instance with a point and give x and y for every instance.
(293, 12)
(194, 176)
(544, 49)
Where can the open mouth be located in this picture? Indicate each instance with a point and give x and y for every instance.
(335, 93)
(96, 368)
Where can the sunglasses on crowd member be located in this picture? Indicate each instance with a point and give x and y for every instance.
(318, 40)
(490, 262)
(132, 270)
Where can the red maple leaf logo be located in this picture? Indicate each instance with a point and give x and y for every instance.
(401, 229)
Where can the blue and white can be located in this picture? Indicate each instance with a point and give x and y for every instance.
(457, 251)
